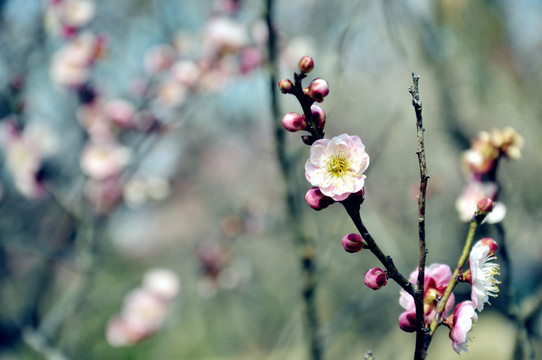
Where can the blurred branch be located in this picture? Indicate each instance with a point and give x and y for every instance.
(303, 243)
(523, 349)
(40, 344)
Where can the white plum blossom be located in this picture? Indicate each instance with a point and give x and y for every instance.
(337, 165)
(462, 324)
(483, 273)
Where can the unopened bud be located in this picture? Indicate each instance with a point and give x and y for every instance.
(317, 90)
(317, 200)
(294, 122)
(306, 64)
(485, 205)
(492, 244)
(318, 116)
(285, 86)
(375, 278)
(352, 243)
(407, 321)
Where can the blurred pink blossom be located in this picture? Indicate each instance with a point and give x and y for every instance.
(159, 58)
(100, 161)
(473, 192)
(163, 283)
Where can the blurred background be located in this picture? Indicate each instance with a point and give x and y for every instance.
(143, 211)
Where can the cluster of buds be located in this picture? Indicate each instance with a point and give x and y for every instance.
(480, 275)
(336, 166)
(145, 309)
(480, 163)
(313, 118)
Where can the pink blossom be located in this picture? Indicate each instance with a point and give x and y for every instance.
(224, 35)
(159, 58)
(336, 166)
(163, 283)
(105, 194)
(483, 273)
(102, 160)
(23, 160)
(77, 13)
(120, 112)
(71, 64)
(462, 324)
(437, 277)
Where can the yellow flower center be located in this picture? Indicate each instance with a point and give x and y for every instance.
(338, 165)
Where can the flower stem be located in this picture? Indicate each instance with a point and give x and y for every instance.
(474, 224)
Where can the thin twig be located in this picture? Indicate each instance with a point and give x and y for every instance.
(421, 330)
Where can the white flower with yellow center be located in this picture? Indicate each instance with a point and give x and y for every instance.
(483, 273)
(337, 165)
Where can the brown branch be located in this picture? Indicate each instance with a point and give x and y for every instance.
(352, 208)
(421, 329)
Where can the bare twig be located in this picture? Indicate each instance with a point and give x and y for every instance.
(421, 330)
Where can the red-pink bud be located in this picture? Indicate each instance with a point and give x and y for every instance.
(485, 205)
(407, 321)
(318, 116)
(352, 243)
(294, 122)
(285, 86)
(375, 278)
(317, 200)
(306, 64)
(318, 90)
(489, 242)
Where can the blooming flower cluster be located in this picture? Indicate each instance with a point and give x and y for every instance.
(481, 276)
(145, 309)
(480, 164)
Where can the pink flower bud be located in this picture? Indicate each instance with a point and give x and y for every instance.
(318, 116)
(407, 321)
(489, 242)
(285, 86)
(485, 205)
(306, 64)
(317, 200)
(294, 122)
(318, 89)
(375, 278)
(352, 243)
